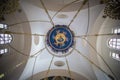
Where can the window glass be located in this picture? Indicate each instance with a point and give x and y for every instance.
(2, 51)
(116, 31)
(115, 56)
(114, 43)
(5, 38)
(3, 26)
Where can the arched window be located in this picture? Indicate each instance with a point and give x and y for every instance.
(5, 38)
(2, 51)
(115, 56)
(114, 43)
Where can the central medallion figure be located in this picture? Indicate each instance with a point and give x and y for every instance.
(60, 39)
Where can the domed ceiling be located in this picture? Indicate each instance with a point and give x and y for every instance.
(58, 39)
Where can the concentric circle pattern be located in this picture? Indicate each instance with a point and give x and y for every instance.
(60, 39)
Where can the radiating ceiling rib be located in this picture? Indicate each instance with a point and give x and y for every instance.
(33, 68)
(15, 67)
(108, 34)
(19, 52)
(69, 71)
(91, 62)
(64, 7)
(101, 58)
(47, 12)
(38, 52)
(49, 67)
(12, 25)
(24, 61)
(84, 2)
(88, 17)
(28, 34)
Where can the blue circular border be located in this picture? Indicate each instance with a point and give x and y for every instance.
(69, 35)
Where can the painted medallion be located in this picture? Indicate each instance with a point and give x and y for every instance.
(60, 38)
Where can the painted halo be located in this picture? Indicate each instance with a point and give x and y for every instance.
(60, 40)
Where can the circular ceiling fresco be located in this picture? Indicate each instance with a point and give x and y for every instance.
(60, 40)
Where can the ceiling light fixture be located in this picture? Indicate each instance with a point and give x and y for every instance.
(8, 6)
(112, 9)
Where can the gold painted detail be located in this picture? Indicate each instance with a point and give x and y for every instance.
(60, 38)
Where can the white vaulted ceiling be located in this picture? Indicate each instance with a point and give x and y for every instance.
(30, 50)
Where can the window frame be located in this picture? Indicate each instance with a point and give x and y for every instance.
(9, 38)
(116, 29)
(115, 56)
(115, 43)
(3, 51)
(117, 46)
(5, 26)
